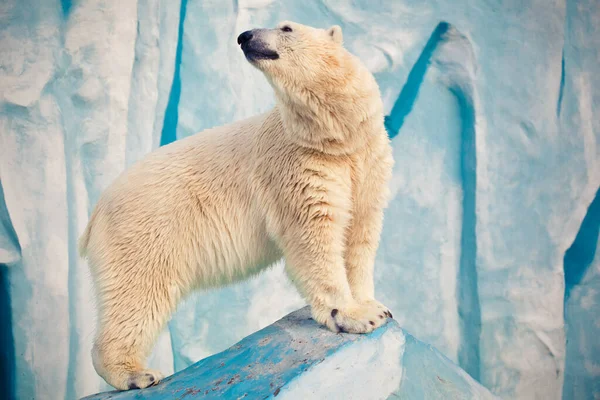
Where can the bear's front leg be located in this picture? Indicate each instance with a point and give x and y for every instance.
(370, 195)
(312, 235)
(362, 240)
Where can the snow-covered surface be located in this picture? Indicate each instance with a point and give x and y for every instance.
(493, 111)
(295, 358)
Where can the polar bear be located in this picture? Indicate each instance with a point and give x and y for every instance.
(306, 181)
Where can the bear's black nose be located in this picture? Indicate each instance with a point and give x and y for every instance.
(244, 37)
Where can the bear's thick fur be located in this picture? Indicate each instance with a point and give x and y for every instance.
(306, 181)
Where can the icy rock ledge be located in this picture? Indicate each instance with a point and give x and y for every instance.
(295, 358)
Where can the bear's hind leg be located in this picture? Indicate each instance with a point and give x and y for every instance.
(132, 312)
(126, 375)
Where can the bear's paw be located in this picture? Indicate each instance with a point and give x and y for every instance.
(360, 318)
(143, 379)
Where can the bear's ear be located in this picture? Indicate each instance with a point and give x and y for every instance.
(335, 33)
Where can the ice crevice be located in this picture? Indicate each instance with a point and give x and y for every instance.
(451, 54)
(10, 253)
(408, 95)
(169, 130)
(580, 256)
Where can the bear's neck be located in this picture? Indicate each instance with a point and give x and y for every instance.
(337, 120)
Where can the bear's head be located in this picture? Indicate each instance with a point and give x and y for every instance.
(295, 56)
(325, 94)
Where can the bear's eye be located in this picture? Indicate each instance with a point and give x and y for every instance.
(286, 29)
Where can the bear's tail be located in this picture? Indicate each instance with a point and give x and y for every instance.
(85, 238)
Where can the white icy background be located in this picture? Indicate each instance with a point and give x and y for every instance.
(471, 258)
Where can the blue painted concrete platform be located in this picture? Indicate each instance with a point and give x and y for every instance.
(295, 358)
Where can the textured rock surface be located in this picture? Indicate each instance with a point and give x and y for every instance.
(295, 358)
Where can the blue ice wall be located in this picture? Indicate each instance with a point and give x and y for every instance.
(491, 106)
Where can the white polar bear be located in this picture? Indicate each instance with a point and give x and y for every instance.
(306, 181)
